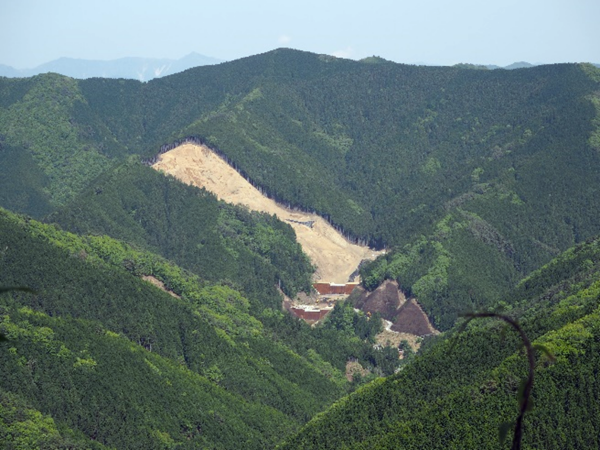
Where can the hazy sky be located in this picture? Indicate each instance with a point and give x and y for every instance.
(418, 31)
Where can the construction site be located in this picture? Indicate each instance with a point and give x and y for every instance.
(336, 259)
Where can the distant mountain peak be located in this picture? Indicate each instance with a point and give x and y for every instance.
(138, 68)
(519, 65)
(375, 60)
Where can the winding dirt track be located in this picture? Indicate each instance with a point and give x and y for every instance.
(334, 257)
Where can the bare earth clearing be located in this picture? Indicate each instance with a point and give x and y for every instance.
(393, 338)
(159, 284)
(335, 258)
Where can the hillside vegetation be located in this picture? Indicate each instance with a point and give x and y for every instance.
(461, 390)
(485, 175)
(106, 354)
(474, 180)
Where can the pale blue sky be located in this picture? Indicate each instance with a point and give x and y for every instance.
(418, 31)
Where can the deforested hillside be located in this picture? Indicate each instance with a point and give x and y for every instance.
(254, 253)
(461, 390)
(334, 257)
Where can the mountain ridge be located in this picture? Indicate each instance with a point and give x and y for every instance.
(483, 183)
(137, 68)
(386, 152)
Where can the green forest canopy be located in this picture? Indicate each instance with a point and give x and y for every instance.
(473, 179)
(493, 170)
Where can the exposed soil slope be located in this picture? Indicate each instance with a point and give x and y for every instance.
(412, 319)
(393, 338)
(386, 300)
(335, 258)
(407, 316)
(159, 284)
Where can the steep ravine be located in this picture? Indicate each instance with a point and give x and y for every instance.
(333, 255)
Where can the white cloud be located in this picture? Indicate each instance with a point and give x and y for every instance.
(284, 39)
(347, 52)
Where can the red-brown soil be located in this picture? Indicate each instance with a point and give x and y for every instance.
(389, 301)
(386, 300)
(411, 319)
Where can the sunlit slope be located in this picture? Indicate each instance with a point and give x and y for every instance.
(121, 362)
(333, 255)
(474, 177)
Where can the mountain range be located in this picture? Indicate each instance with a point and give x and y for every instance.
(480, 185)
(145, 69)
(142, 69)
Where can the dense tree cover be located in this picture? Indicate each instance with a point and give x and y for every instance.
(25, 428)
(346, 319)
(189, 226)
(22, 183)
(472, 178)
(459, 391)
(385, 151)
(46, 122)
(119, 394)
(107, 354)
(254, 252)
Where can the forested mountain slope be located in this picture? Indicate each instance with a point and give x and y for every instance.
(460, 391)
(457, 169)
(113, 359)
(472, 178)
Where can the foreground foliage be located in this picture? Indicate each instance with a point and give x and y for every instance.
(104, 353)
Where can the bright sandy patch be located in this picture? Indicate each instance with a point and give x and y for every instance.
(354, 367)
(333, 255)
(393, 339)
(159, 284)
